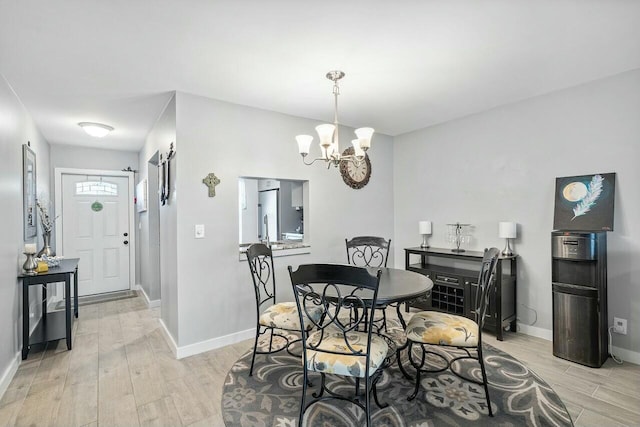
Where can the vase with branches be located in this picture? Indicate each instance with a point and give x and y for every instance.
(47, 227)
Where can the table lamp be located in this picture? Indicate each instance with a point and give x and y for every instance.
(424, 227)
(507, 230)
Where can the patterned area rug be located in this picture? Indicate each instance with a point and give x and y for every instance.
(271, 397)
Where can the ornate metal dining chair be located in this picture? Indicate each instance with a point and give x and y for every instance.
(370, 251)
(432, 328)
(275, 317)
(338, 346)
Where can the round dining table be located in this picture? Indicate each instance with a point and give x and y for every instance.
(398, 286)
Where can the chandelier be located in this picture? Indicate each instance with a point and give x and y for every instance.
(328, 134)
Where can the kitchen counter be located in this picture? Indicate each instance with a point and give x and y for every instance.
(281, 248)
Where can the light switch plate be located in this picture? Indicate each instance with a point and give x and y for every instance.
(199, 234)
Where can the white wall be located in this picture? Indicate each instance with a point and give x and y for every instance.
(215, 294)
(501, 165)
(16, 128)
(158, 140)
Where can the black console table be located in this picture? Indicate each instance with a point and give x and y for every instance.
(57, 324)
(454, 288)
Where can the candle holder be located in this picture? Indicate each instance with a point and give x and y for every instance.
(457, 236)
(30, 265)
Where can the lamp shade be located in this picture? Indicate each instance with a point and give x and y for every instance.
(507, 230)
(325, 133)
(424, 227)
(365, 134)
(304, 142)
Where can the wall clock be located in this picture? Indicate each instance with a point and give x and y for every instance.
(355, 175)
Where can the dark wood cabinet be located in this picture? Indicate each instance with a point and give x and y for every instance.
(455, 285)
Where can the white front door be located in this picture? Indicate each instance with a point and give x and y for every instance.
(96, 229)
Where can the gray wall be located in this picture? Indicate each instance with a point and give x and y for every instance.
(16, 128)
(215, 295)
(158, 140)
(501, 165)
(71, 156)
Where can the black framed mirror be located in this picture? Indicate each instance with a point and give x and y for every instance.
(30, 219)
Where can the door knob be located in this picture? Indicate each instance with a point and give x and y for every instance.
(126, 234)
(126, 242)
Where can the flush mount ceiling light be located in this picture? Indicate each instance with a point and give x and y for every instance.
(95, 129)
(328, 134)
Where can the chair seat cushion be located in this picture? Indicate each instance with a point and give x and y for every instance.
(284, 315)
(432, 327)
(344, 364)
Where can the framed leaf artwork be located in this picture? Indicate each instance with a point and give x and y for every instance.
(585, 202)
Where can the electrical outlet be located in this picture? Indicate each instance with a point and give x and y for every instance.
(620, 326)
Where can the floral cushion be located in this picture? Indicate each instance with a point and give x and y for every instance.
(284, 315)
(432, 327)
(343, 364)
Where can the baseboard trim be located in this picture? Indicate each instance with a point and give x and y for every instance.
(169, 338)
(625, 355)
(534, 331)
(150, 303)
(214, 343)
(9, 373)
(202, 346)
(547, 334)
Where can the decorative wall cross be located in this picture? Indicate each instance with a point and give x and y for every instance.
(211, 181)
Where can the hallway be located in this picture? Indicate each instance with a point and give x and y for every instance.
(121, 372)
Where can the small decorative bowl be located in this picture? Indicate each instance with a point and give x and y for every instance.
(52, 261)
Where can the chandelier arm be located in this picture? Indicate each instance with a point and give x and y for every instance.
(313, 161)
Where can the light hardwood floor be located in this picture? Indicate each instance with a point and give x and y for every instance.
(121, 373)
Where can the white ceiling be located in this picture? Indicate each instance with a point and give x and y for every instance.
(409, 64)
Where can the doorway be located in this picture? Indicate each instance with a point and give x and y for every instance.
(150, 236)
(96, 226)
